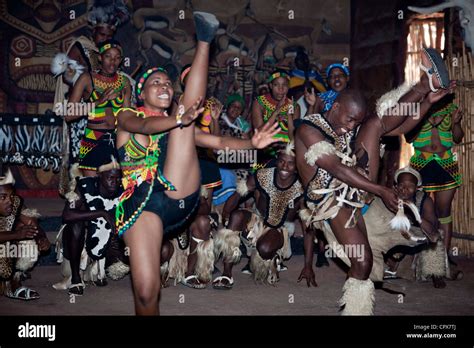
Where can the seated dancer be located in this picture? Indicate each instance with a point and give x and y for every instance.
(233, 124)
(231, 121)
(161, 176)
(266, 230)
(108, 90)
(199, 269)
(435, 160)
(20, 234)
(89, 218)
(275, 106)
(431, 263)
(327, 168)
(338, 79)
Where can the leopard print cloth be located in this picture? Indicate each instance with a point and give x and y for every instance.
(323, 179)
(6, 225)
(279, 200)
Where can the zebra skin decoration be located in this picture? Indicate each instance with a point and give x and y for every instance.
(34, 140)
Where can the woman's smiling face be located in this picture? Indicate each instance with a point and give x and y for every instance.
(158, 91)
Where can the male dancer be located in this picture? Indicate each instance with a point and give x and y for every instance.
(265, 230)
(18, 229)
(333, 185)
(89, 217)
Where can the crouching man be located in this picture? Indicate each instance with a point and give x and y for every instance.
(424, 236)
(265, 230)
(90, 208)
(21, 241)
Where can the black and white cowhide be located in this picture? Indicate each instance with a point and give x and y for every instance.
(99, 230)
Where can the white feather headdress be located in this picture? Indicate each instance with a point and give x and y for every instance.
(289, 149)
(61, 62)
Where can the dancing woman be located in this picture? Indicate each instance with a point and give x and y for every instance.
(161, 175)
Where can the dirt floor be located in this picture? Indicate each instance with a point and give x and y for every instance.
(287, 297)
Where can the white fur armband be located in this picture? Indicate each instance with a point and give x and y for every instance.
(71, 197)
(318, 150)
(74, 173)
(204, 192)
(305, 215)
(390, 99)
(242, 188)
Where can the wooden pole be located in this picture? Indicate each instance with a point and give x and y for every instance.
(461, 67)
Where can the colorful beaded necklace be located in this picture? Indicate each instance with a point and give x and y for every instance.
(101, 82)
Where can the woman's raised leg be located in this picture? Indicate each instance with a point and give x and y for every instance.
(182, 167)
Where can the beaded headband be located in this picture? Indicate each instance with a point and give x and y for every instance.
(277, 75)
(108, 46)
(145, 76)
(409, 170)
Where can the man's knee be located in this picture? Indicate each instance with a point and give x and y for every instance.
(167, 250)
(362, 263)
(236, 219)
(201, 227)
(269, 244)
(75, 231)
(266, 250)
